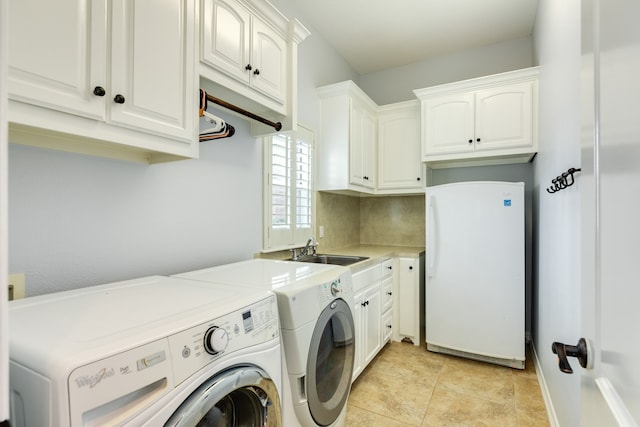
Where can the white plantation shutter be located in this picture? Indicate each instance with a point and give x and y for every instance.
(288, 189)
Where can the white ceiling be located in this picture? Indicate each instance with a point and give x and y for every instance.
(376, 34)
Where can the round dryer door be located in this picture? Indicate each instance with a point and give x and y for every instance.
(330, 363)
(240, 396)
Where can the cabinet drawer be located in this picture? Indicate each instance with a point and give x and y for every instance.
(387, 268)
(387, 326)
(387, 294)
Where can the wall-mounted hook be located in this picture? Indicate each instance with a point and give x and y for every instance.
(564, 180)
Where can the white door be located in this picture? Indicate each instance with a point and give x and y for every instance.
(610, 189)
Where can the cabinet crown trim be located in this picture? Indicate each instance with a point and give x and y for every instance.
(525, 74)
(346, 87)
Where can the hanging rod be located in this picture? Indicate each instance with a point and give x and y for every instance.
(561, 182)
(225, 104)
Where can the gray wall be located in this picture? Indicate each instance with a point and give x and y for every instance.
(397, 84)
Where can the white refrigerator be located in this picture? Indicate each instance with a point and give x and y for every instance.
(475, 267)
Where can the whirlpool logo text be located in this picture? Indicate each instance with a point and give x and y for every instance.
(94, 380)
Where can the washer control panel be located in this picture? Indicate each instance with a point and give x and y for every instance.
(200, 345)
(341, 287)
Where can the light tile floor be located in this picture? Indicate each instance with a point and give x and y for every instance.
(407, 385)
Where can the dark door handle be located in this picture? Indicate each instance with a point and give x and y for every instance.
(580, 351)
(99, 91)
(118, 99)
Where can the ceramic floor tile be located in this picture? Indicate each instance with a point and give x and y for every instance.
(357, 417)
(408, 361)
(528, 396)
(532, 419)
(448, 408)
(395, 397)
(397, 389)
(478, 379)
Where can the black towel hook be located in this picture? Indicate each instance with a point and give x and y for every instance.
(562, 181)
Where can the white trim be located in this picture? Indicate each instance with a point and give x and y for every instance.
(546, 396)
(4, 227)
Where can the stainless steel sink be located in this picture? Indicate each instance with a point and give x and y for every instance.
(332, 259)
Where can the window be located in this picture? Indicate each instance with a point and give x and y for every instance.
(288, 192)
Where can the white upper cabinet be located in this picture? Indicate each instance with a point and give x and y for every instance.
(399, 162)
(54, 68)
(362, 138)
(487, 120)
(347, 149)
(248, 57)
(365, 148)
(244, 48)
(153, 67)
(116, 78)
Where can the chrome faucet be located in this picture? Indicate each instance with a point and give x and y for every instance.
(311, 244)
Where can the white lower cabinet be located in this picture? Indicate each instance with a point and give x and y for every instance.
(373, 312)
(410, 285)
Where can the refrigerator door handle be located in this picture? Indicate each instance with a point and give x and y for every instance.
(431, 235)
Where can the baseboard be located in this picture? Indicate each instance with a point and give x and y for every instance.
(546, 396)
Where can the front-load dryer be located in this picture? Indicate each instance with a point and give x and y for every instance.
(154, 351)
(315, 304)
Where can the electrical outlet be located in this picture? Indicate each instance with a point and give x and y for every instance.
(16, 286)
(321, 231)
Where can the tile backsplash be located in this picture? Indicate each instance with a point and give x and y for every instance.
(348, 220)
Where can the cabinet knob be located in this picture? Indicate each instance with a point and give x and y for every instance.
(118, 99)
(248, 67)
(471, 141)
(478, 140)
(256, 72)
(99, 91)
(418, 179)
(389, 293)
(389, 326)
(389, 268)
(411, 267)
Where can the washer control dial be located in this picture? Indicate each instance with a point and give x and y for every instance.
(335, 288)
(215, 340)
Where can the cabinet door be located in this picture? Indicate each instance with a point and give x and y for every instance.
(358, 359)
(226, 38)
(153, 67)
(504, 117)
(268, 60)
(399, 162)
(372, 323)
(361, 145)
(448, 124)
(57, 54)
(408, 303)
(369, 148)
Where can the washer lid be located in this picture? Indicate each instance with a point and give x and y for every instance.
(97, 321)
(269, 274)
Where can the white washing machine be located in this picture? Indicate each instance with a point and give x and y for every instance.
(315, 304)
(154, 351)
